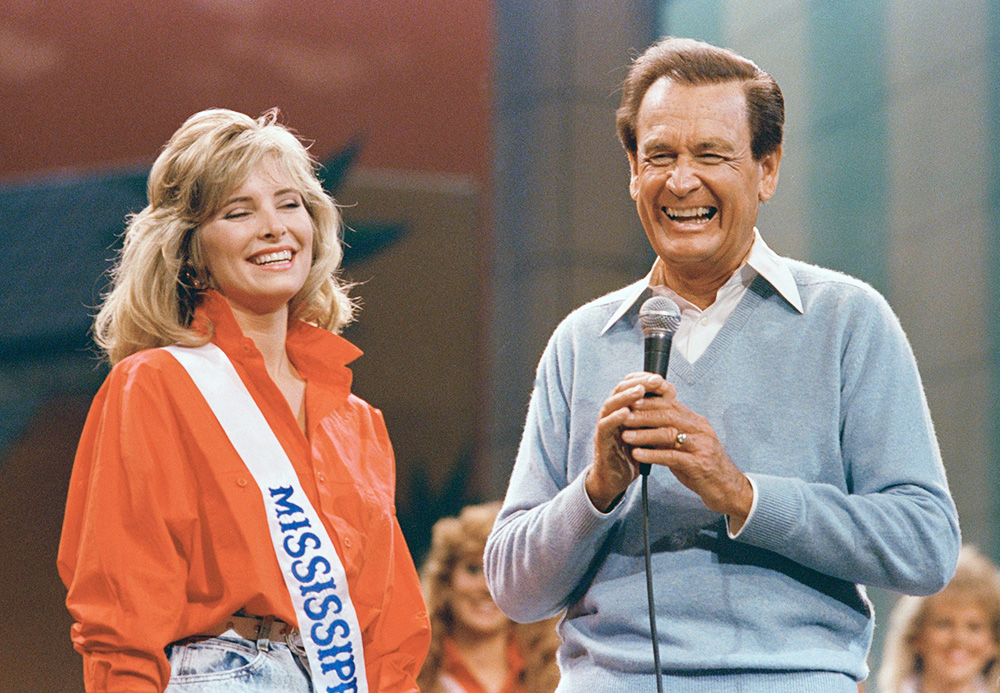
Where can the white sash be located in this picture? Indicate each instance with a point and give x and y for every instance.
(313, 572)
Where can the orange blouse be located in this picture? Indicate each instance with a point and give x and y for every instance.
(165, 533)
(458, 677)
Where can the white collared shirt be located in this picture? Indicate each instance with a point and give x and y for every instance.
(699, 327)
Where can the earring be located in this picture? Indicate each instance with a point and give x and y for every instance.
(191, 279)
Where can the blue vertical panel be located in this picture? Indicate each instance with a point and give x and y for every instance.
(699, 19)
(849, 167)
(517, 94)
(534, 92)
(993, 236)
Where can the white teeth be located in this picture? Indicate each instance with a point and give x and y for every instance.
(691, 213)
(268, 258)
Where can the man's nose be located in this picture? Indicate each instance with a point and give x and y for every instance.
(682, 178)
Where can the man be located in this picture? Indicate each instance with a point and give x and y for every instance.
(793, 457)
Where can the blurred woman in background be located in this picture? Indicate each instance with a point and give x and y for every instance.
(948, 642)
(475, 648)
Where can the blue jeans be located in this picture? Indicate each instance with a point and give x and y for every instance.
(229, 663)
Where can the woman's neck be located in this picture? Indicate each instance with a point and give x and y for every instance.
(931, 684)
(268, 332)
(485, 656)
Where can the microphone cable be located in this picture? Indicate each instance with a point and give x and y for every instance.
(649, 579)
(659, 318)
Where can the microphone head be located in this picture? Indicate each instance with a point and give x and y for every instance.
(659, 314)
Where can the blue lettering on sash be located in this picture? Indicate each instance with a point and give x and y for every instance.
(324, 605)
(300, 547)
(281, 502)
(340, 624)
(317, 587)
(310, 573)
(344, 669)
(298, 524)
(336, 650)
(312, 565)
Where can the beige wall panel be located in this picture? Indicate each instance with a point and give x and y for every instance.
(422, 306)
(960, 406)
(939, 226)
(603, 218)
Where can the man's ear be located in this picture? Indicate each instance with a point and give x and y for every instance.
(769, 165)
(633, 183)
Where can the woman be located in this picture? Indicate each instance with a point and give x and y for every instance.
(229, 489)
(949, 641)
(475, 648)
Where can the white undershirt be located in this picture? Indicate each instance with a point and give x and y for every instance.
(699, 327)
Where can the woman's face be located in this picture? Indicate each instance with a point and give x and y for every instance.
(258, 246)
(956, 641)
(473, 609)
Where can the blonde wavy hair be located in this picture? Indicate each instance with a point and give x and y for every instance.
(976, 580)
(463, 538)
(160, 272)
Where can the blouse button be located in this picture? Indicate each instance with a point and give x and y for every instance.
(241, 482)
(347, 541)
(321, 476)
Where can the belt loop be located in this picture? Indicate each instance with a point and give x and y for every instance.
(264, 634)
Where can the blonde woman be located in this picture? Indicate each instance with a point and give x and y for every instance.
(230, 524)
(475, 648)
(948, 642)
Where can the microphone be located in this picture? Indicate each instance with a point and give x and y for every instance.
(659, 318)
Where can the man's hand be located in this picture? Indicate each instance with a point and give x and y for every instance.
(613, 468)
(636, 429)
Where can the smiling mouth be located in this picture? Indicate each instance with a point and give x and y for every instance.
(274, 258)
(695, 214)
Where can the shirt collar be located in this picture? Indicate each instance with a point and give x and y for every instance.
(770, 265)
(316, 353)
(761, 260)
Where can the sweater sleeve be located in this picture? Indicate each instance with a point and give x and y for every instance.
(548, 532)
(896, 525)
(122, 549)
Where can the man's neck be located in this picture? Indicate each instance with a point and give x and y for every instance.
(697, 287)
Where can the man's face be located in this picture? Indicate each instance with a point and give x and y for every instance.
(695, 182)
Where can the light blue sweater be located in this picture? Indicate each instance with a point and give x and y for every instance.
(824, 409)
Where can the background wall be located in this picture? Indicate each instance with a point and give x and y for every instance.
(487, 135)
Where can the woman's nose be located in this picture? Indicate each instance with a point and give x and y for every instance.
(271, 224)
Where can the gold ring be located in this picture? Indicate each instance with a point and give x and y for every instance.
(679, 440)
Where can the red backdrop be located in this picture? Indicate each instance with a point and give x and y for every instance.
(87, 84)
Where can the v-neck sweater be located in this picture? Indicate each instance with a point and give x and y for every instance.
(823, 409)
